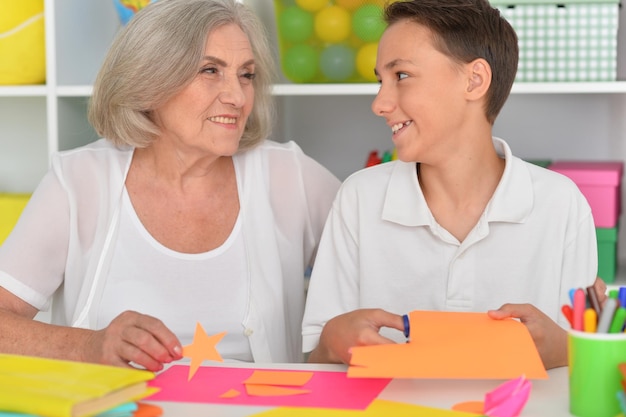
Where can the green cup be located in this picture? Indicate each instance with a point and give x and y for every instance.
(594, 377)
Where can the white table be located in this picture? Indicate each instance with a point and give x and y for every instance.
(548, 397)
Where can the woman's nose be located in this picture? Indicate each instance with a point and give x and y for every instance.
(232, 92)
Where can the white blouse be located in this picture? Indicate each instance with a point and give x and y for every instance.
(62, 246)
(180, 289)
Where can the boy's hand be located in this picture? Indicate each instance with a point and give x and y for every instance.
(550, 338)
(357, 328)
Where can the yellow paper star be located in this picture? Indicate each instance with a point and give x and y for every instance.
(202, 348)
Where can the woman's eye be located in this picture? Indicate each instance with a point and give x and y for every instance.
(247, 77)
(401, 75)
(210, 70)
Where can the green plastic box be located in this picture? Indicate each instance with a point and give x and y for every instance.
(573, 40)
(607, 253)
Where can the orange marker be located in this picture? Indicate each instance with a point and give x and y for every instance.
(590, 320)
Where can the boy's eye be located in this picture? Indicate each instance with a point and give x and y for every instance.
(401, 75)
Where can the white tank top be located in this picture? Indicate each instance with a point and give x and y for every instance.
(180, 289)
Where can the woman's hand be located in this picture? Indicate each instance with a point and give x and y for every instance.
(134, 338)
(550, 338)
(357, 328)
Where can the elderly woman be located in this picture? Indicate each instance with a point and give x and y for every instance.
(184, 213)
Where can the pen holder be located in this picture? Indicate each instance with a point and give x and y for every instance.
(594, 375)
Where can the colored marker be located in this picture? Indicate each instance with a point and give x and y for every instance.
(613, 293)
(618, 320)
(621, 398)
(592, 295)
(568, 313)
(571, 295)
(621, 296)
(604, 322)
(580, 303)
(407, 326)
(590, 320)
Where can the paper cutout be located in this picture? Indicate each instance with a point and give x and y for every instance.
(453, 345)
(474, 407)
(231, 393)
(328, 389)
(148, 410)
(273, 391)
(202, 348)
(265, 377)
(376, 409)
(508, 399)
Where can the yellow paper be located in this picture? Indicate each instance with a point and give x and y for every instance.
(11, 206)
(56, 388)
(376, 409)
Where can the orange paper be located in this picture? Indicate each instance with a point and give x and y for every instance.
(273, 391)
(453, 345)
(231, 393)
(263, 377)
(202, 348)
(147, 410)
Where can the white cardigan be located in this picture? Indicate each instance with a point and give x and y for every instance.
(62, 244)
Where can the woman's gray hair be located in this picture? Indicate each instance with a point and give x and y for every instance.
(158, 53)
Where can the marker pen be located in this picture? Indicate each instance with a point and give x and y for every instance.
(567, 311)
(604, 322)
(592, 295)
(618, 320)
(590, 319)
(580, 303)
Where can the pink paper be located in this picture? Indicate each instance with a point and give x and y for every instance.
(508, 399)
(329, 389)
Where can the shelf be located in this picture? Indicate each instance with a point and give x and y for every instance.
(518, 88)
(287, 89)
(23, 91)
(74, 91)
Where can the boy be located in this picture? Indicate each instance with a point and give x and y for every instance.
(457, 222)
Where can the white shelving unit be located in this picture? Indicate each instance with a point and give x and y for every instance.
(331, 122)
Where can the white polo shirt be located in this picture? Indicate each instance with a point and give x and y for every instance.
(382, 248)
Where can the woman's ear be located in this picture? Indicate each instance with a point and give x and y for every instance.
(479, 78)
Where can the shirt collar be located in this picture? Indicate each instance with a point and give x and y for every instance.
(511, 202)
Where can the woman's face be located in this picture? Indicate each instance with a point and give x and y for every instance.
(210, 113)
(421, 93)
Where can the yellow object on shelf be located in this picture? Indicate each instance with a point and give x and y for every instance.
(11, 206)
(22, 42)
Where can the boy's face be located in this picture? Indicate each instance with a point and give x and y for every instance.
(422, 94)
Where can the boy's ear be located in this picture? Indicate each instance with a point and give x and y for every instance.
(479, 78)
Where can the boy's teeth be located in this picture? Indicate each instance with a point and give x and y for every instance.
(399, 126)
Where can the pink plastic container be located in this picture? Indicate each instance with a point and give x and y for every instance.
(600, 182)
